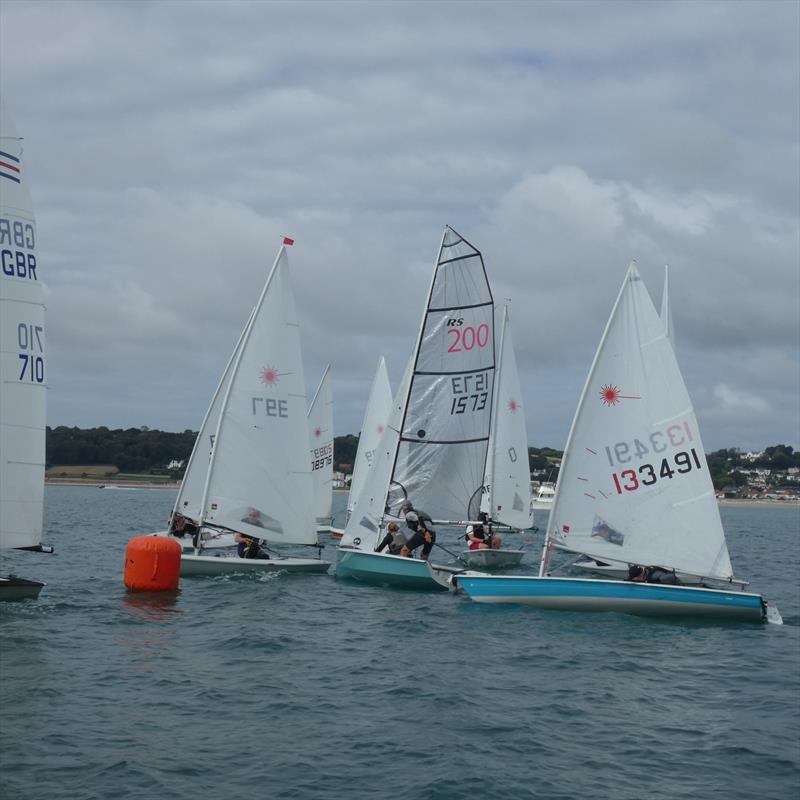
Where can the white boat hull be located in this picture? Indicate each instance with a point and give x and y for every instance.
(193, 566)
(490, 559)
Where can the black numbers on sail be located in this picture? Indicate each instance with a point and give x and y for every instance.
(630, 480)
(473, 402)
(470, 392)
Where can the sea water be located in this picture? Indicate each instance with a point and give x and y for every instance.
(302, 686)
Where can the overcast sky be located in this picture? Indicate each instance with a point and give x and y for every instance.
(170, 144)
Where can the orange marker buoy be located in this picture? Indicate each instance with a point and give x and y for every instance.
(152, 564)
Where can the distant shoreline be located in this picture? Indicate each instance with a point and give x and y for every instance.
(175, 485)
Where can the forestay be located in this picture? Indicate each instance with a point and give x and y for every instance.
(634, 485)
(320, 435)
(23, 373)
(508, 477)
(190, 495)
(444, 434)
(379, 407)
(259, 481)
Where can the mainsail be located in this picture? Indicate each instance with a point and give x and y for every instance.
(508, 481)
(666, 309)
(433, 451)
(23, 374)
(634, 485)
(259, 479)
(320, 435)
(379, 406)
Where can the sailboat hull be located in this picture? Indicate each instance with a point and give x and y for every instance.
(14, 588)
(492, 559)
(583, 594)
(381, 569)
(193, 566)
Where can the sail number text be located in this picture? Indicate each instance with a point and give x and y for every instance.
(657, 442)
(645, 475)
(29, 338)
(20, 262)
(271, 407)
(467, 337)
(322, 456)
(470, 392)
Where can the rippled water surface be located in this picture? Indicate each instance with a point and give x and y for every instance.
(304, 687)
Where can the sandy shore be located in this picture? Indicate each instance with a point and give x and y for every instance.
(759, 503)
(117, 484)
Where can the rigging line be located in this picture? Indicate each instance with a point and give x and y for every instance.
(449, 552)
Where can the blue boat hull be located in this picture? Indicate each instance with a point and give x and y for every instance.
(583, 594)
(382, 569)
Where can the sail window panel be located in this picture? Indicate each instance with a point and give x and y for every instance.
(457, 341)
(446, 482)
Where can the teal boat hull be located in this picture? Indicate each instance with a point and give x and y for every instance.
(585, 594)
(382, 569)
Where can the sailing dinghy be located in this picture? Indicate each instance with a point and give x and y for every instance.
(507, 494)
(320, 435)
(376, 415)
(22, 367)
(249, 472)
(433, 450)
(634, 487)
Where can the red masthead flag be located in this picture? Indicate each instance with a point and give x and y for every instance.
(287, 240)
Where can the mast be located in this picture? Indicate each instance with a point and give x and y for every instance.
(492, 454)
(198, 441)
(414, 366)
(552, 522)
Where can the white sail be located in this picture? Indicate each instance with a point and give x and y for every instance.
(363, 526)
(634, 485)
(190, 496)
(259, 481)
(23, 373)
(666, 309)
(379, 407)
(508, 477)
(320, 435)
(441, 455)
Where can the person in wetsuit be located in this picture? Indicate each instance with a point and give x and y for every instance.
(423, 533)
(394, 540)
(248, 546)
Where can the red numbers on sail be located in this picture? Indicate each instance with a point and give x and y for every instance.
(468, 338)
(629, 480)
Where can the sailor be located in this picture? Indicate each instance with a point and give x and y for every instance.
(476, 536)
(423, 534)
(394, 540)
(248, 546)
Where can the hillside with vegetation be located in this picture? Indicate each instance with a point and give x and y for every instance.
(161, 453)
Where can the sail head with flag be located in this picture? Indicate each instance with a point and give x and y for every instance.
(264, 412)
(444, 434)
(23, 352)
(634, 484)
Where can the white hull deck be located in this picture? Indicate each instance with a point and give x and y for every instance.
(228, 564)
(491, 559)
